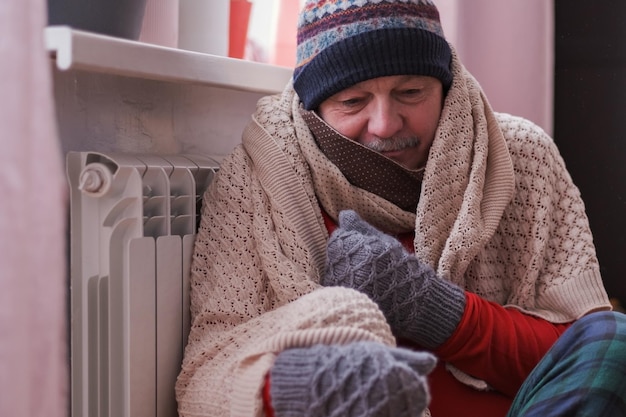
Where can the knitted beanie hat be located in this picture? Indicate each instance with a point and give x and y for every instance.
(344, 42)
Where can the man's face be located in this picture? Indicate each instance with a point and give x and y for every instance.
(396, 116)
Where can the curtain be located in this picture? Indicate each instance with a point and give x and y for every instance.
(33, 288)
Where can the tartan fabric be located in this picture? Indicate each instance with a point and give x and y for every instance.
(583, 374)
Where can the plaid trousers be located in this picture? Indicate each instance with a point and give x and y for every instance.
(583, 374)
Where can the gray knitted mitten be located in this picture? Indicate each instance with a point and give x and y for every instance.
(361, 379)
(417, 304)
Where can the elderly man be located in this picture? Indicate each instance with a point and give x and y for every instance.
(380, 217)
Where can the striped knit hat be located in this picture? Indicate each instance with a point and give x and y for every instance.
(344, 42)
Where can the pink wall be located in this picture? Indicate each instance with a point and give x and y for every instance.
(508, 46)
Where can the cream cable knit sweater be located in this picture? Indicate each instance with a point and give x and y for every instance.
(498, 214)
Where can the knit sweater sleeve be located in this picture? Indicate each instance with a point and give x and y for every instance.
(498, 345)
(253, 294)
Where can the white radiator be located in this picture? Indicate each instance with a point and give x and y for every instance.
(133, 221)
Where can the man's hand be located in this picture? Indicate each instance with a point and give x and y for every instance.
(417, 304)
(361, 379)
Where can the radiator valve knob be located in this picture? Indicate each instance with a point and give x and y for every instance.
(95, 179)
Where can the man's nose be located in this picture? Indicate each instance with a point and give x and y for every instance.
(385, 120)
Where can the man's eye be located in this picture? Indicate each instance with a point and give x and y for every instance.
(411, 92)
(351, 102)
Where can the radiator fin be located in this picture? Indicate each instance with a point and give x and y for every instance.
(133, 220)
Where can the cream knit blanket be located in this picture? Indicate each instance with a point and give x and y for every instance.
(498, 214)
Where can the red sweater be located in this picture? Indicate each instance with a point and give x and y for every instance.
(496, 344)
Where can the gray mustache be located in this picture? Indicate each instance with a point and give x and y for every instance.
(392, 144)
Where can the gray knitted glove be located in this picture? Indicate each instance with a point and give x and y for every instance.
(361, 379)
(418, 305)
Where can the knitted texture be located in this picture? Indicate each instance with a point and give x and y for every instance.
(418, 305)
(389, 180)
(363, 379)
(344, 42)
(523, 240)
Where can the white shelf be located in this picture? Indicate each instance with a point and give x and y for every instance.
(75, 49)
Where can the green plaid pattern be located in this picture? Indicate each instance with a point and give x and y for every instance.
(582, 375)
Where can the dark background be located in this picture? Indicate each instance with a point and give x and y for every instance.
(590, 121)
